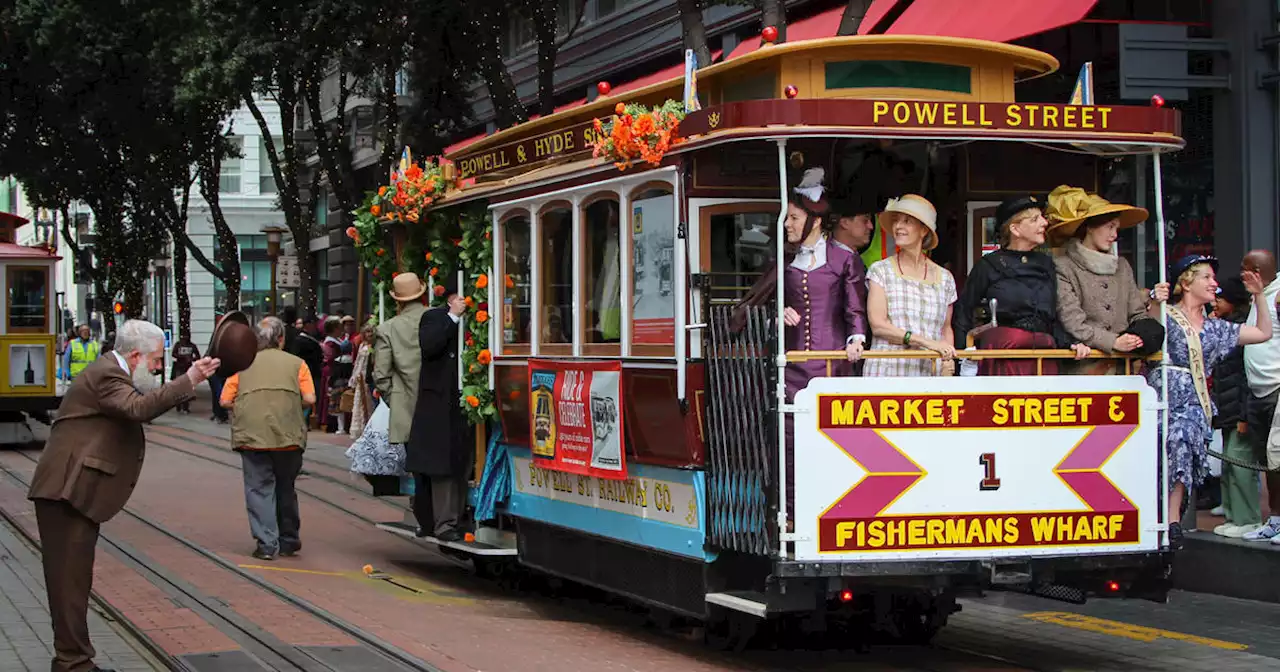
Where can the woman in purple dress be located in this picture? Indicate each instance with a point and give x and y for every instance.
(824, 294)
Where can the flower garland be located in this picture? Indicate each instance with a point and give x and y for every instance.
(637, 132)
(405, 200)
(476, 257)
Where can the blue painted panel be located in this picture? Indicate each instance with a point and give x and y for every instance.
(667, 495)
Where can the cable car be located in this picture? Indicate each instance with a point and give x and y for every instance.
(890, 519)
(28, 333)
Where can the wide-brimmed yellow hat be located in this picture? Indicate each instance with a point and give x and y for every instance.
(1069, 207)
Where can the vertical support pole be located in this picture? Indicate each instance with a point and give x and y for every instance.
(1163, 464)
(680, 276)
(535, 282)
(626, 263)
(579, 315)
(462, 326)
(780, 236)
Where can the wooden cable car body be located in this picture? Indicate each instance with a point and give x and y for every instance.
(29, 332)
(697, 524)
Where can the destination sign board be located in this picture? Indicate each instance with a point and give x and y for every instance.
(562, 142)
(928, 114)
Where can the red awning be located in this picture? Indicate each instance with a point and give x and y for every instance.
(823, 24)
(995, 20)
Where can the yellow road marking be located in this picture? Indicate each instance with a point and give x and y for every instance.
(1126, 630)
(296, 571)
(428, 592)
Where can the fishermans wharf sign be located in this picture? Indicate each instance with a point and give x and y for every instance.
(520, 155)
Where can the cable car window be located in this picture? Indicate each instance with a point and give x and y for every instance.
(557, 276)
(653, 301)
(517, 287)
(737, 244)
(28, 299)
(602, 276)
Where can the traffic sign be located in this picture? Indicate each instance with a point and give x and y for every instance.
(168, 338)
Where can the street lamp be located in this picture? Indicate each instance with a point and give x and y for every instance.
(274, 234)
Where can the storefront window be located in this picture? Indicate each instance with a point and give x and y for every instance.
(602, 278)
(556, 260)
(517, 287)
(653, 302)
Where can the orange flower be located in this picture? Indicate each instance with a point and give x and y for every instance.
(473, 368)
(375, 210)
(484, 357)
(439, 290)
(428, 256)
(482, 281)
(482, 316)
(619, 109)
(380, 252)
(471, 303)
(472, 401)
(644, 125)
(395, 275)
(434, 270)
(353, 234)
(513, 395)
(414, 172)
(382, 191)
(510, 283)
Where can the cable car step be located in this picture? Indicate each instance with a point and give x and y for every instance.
(489, 541)
(745, 601)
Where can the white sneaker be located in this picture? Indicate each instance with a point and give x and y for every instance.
(1224, 529)
(1217, 511)
(1266, 532)
(1239, 531)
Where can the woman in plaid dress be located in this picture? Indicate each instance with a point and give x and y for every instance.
(909, 297)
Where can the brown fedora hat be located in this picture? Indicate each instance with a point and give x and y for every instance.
(407, 287)
(235, 343)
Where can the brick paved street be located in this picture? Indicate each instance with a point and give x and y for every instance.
(445, 616)
(26, 637)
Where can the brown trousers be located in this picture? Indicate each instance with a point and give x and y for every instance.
(68, 540)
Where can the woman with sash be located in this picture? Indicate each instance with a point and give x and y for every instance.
(1196, 344)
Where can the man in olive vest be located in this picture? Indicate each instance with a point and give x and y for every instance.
(269, 430)
(80, 353)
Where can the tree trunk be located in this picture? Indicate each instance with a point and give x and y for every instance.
(487, 26)
(854, 12)
(694, 30)
(332, 145)
(284, 167)
(180, 289)
(545, 16)
(227, 253)
(774, 13)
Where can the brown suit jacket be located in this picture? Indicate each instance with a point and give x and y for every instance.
(95, 449)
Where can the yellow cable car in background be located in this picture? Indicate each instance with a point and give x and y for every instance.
(29, 328)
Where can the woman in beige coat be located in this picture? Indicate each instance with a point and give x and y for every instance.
(1098, 298)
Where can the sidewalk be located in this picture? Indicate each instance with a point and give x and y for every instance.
(26, 637)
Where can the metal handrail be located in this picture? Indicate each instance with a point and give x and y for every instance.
(812, 355)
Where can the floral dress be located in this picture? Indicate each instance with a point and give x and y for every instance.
(918, 306)
(1189, 430)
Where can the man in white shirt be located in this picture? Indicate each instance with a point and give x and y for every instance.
(1262, 366)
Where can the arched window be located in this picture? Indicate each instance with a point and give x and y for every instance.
(601, 298)
(556, 283)
(652, 223)
(516, 286)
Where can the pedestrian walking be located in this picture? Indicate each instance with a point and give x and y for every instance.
(1262, 367)
(89, 468)
(268, 429)
(436, 453)
(397, 361)
(185, 353)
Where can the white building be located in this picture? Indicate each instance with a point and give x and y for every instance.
(248, 199)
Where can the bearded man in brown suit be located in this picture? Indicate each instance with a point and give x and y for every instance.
(89, 468)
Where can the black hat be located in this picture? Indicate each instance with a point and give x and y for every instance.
(1150, 331)
(1232, 290)
(1180, 266)
(1013, 206)
(854, 204)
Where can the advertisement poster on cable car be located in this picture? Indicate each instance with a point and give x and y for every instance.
(959, 468)
(575, 416)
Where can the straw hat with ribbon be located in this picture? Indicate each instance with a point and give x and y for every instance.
(1069, 207)
(918, 207)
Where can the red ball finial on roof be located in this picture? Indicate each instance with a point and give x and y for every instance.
(604, 88)
(769, 34)
(1157, 100)
(791, 91)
